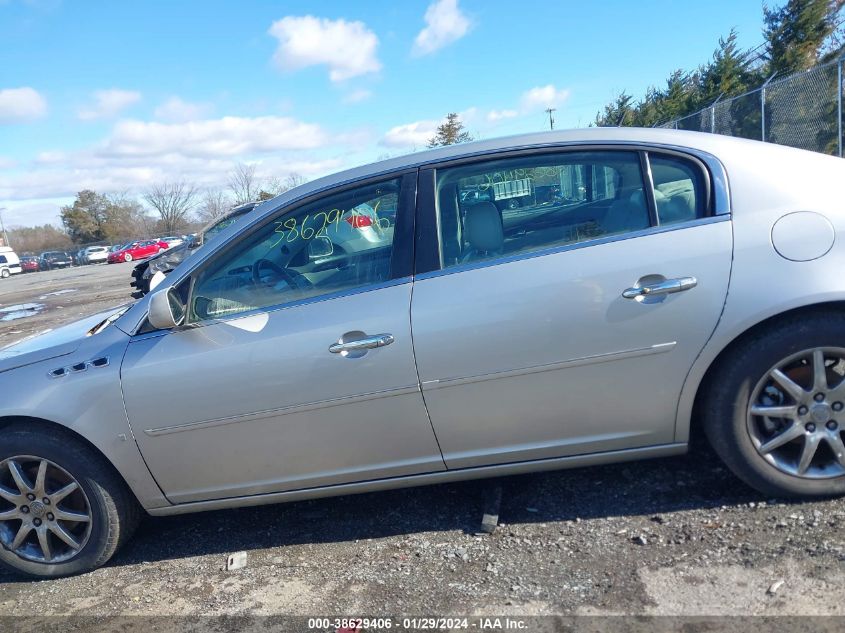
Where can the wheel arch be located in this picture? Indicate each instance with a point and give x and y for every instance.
(29, 422)
(687, 427)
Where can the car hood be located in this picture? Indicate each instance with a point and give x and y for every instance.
(54, 343)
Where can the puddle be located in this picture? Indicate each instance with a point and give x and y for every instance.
(20, 311)
(57, 293)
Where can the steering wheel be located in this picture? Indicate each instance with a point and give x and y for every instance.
(283, 274)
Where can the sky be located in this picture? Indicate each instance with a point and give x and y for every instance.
(117, 96)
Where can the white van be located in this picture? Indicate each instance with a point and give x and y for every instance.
(10, 263)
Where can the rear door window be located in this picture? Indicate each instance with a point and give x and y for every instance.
(511, 206)
(679, 189)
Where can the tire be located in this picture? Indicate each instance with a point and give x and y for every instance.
(744, 374)
(114, 513)
(127, 257)
(4, 273)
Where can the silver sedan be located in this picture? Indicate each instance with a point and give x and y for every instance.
(531, 303)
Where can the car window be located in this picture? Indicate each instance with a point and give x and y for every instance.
(3, 259)
(518, 205)
(338, 242)
(678, 189)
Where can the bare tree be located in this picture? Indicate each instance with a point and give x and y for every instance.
(126, 218)
(214, 204)
(274, 186)
(173, 201)
(294, 180)
(243, 184)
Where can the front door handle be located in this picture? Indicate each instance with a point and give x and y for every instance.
(361, 344)
(665, 287)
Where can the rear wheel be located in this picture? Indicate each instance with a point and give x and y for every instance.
(5, 273)
(775, 411)
(63, 509)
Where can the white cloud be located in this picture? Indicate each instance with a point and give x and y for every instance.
(19, 105)
(108, 103)
(444, 23)
(499, 115)
(50, 157)
(414, 134)
(347, 48)
(179, 111)
(543, 97)
(88, 171)
(357, 96)
(7, 163)
(33, 213)
(228, 136)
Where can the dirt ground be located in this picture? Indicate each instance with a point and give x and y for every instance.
(679, 536)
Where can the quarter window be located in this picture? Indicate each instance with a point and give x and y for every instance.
(518, 205)
(339, 242)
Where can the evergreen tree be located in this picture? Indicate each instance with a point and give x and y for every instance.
(450, 132)
(798, 33)
(85, 219)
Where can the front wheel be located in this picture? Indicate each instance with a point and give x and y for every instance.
(775, 409)
(63, 509)
(127, 257)
(4, 273)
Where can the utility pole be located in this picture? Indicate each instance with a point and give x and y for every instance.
(551, 117)
(3, 228)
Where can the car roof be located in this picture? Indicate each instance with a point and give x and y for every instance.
(593, 135)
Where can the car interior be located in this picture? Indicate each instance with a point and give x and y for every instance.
(337, 243)
(509, 207)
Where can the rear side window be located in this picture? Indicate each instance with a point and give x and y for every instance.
(679, 189)
(3, 259)
(518, 205)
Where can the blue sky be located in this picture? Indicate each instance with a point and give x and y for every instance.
(116, 96)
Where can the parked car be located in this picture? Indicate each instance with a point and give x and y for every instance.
(94, 254)
(29, 264)
(592, 329)
(164, 263)
(55, 259)
(137, 250)
(171, 240)
(10, 263)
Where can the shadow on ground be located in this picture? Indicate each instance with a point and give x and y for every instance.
(697, 480)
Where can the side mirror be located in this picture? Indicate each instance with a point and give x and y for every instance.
(320, 247)
(166, 311)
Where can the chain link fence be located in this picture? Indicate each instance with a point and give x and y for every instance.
(803, 110)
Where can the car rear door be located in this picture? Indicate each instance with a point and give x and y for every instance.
(297, 370)
(566, 299)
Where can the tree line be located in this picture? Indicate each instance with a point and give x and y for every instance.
(797, 36)
(169, 208)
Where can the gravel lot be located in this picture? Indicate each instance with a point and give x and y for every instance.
(678, 536)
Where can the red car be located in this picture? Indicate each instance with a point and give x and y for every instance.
(30, 264)
(137, 250)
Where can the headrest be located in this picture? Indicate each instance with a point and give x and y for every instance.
(483, 227)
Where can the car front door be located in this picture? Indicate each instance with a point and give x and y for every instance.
(568, 298)
(296, 368)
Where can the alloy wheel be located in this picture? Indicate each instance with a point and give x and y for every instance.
(796, 414)
(45, 515)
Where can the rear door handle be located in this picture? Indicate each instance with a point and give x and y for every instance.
(361, 344)
(665, 287)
